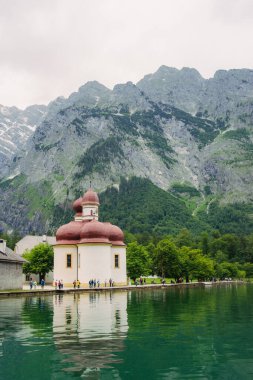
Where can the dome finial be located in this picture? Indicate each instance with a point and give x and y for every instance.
(90, 184)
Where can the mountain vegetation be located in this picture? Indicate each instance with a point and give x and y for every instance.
(185, 257)
(173, 151)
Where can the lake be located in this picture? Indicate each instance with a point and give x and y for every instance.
(170, 333)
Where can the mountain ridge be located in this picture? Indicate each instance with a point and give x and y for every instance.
(172, 127)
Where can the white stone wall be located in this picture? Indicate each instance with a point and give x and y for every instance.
(95, 262)
(11, 276)
(90, 212)
(61, 271)
(119, 274)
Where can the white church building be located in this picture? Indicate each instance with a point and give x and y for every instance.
(87, 249)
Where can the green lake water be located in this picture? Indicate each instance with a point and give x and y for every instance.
(174, 333)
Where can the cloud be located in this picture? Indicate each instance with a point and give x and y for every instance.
(233, 11)
(52, 47)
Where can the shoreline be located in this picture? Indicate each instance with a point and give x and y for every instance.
(39, 292)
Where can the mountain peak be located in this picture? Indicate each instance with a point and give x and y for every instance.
(93, 85)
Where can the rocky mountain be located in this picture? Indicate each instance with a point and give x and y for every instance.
(174, 127)
(16, 126)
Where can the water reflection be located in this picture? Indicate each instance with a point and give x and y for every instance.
(89, 330)
(190, 334)
(147, 334)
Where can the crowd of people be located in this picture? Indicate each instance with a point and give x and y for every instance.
(93, 283)
(33, 283)
(58, 284)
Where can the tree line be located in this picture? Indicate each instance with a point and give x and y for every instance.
(184, 256)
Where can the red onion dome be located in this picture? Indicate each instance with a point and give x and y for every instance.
(94, 232)
(77, 205)
(116, 235)
(90, 197)
(69, 233)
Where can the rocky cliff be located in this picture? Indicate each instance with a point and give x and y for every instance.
(173, 127)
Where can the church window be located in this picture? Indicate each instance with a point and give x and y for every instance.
(69, 261)
(116, 261)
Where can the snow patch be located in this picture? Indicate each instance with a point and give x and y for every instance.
(13, 175)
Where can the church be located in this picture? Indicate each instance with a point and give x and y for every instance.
(87, 249)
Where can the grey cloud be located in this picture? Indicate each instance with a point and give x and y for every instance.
(52, 47)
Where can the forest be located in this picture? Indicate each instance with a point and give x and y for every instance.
(165, 238)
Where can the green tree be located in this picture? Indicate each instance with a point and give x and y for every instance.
(195, 265)
(199, 266)
(138, 261)
(185, 262)
(220, 257)
(167, 259)
(228, 244)
(11, 239)
(184, 238)
(229, 270)
(151, 251)
(204, 243)
(40, 260)
(247, 268)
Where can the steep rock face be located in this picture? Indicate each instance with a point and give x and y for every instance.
(16, 127)
(124, 133)
(180, 88)
(172, 127)
(222, 97)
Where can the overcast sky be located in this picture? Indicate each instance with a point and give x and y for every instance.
(51, 47)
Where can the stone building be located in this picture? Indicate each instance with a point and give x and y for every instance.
(87, 249)
(27, 243)
(11, 275)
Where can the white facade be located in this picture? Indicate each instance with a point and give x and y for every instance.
(118, 272)
(87, 249)
(90, 261)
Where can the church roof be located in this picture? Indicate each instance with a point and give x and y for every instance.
(86, 230)
(89, 231)
(90, 197)
(77, 205)
(94, 232)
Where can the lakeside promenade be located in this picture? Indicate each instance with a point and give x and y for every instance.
(26, 291)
